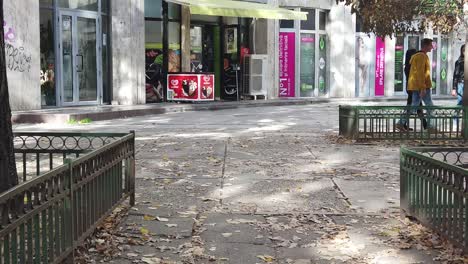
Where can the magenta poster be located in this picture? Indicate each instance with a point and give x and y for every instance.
(379, 67)
(287, 67)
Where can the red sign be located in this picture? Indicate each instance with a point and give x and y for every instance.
(207, 86)
(190, 87)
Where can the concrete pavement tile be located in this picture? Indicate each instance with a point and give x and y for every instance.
(180, 195)
(368, 237)
(370, 196)
(169, 227)
(238, 253)
(168, 250)
(285, 196)
(234, 228)
(199, 167)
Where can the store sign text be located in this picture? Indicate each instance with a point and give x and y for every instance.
(379, 67)
(287, 67)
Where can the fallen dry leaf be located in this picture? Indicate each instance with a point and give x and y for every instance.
(149, 218)
(266, 258)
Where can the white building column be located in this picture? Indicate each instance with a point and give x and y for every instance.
(342, 32)
(22, 51)
(128, 52)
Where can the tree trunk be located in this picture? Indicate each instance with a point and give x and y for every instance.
(8, 173)
(465, 91)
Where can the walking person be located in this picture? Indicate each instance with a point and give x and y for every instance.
(408, 55)
(459, 76)
(420, 84)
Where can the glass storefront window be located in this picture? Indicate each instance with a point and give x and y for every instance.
(399, 63)
(153, 8)
(435, 58)
(365, 52)
(309, 24)
(323, 66)
(322, 21)
(91, 5)
(200, 18)
(105, 60)
(307, 73)
(47, 55)
(444, 66)
(286, 23)
(174, 46)
(154, 58)
(173, 11)
(196, 56)
(105, 6)
(413, 42)
(153, 34)
(46, 3)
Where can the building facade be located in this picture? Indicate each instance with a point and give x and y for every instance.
(64, 53)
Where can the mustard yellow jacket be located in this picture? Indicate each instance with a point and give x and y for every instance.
(420, 72)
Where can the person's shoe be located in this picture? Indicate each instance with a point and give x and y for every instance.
(408, 128)
(431, 130)
(401, 128)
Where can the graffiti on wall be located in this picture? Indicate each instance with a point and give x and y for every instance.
(18, 59)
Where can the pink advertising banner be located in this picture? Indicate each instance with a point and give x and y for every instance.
(287, 64)
(379, 67)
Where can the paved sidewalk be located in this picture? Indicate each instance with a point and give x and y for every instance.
(260, 185)
(107, 112)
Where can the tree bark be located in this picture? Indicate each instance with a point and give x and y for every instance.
(465, 91)
(8, 173)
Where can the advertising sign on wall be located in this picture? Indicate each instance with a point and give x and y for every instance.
(190, 87)
(365, 50)
(287, 64)
(379, 67)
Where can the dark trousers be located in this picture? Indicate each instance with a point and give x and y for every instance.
(420, 112)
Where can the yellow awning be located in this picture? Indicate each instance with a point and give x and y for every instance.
(232, 8)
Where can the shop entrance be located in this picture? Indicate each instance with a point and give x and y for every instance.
(79, 53)
(205, 51)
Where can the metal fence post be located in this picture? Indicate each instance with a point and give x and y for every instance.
(68, 211)
(132, 171)
(465, 123)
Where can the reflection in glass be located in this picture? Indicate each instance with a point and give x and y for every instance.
(153, 8)
(309, 24)
(86, 58)
(46, 3)
(196, 56)
(154, 58)
(413, 42)
(105, 6)
(105, 60)
(91, 5)
(173, 11)
(322, 20)
(67, 58)
(47, 57)
(307, 77)
(174, 46)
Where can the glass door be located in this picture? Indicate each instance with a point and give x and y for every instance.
(79, 55)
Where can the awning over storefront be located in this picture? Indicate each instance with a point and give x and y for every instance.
(231, 8)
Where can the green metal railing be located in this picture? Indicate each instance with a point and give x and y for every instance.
(365, 123)
(47, 216)
(434, 189)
